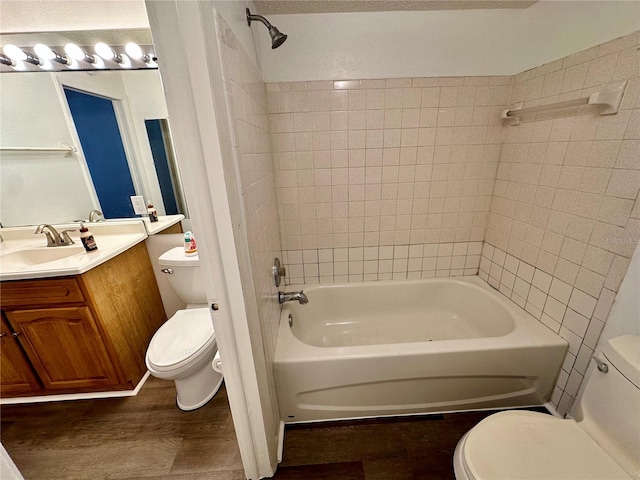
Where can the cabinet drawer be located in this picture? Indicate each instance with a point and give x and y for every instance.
(50, 291)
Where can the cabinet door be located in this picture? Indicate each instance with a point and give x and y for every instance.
(65, 347)
(16, 373)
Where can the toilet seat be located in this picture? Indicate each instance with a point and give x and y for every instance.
(180, 339)
(519, 445)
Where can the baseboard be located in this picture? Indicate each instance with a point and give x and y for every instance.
(76, 396)
(280, 441)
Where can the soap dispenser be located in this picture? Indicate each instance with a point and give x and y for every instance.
(152, 212)
(88, 241)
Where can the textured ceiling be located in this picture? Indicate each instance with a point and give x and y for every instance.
(266, 7)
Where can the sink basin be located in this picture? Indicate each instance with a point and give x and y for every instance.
(38, 255)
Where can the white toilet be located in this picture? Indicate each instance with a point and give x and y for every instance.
(184, 347)
(601, 443)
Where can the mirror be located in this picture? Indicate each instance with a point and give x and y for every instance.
(78, 138)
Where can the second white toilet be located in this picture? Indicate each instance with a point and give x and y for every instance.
(184, 347)
(603, 442)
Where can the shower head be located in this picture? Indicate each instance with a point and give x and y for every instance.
(277, 38)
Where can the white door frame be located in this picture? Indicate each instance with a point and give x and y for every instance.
(184, 37)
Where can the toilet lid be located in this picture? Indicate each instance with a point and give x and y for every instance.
(519, 445)
(181, 337)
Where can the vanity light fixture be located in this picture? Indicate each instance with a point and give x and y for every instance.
(105, 51)
(135, 52)
(78, 54)
(4, 60)
(47, 54)
(75, 57)
(19, 55)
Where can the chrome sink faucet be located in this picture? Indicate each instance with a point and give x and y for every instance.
(55, 239)
(299, 297)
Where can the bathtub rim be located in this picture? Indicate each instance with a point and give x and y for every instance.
(528, 331)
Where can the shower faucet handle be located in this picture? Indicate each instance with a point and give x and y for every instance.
(278, 271)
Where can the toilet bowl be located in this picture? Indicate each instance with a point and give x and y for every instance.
(184, 347)
(602, 442)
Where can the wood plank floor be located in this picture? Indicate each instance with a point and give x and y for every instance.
(148, 437)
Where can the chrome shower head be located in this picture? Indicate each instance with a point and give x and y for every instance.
(277, 38)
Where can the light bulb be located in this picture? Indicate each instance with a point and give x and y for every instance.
(133, 50)
(44, 52)
(75, 52)
(105, 51)
(14, 52)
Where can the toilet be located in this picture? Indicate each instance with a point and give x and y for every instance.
(184, 347)
(602, 442)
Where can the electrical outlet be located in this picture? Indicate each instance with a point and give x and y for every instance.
(139, 206)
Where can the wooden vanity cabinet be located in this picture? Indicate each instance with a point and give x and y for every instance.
(17, 373)
(65, 347)
(84, 333)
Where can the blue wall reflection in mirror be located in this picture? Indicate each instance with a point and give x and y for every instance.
(97, 127)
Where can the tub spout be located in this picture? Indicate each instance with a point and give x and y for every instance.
(300, 297)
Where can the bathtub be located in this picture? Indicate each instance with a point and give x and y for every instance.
(373, 349)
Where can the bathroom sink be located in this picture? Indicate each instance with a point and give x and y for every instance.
(37, 255)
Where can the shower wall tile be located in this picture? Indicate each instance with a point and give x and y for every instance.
(563, 308)
(368, 163)
(393, 262)
(565, 201)
(247, 106)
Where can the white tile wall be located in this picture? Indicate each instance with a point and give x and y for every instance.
(357, 264)
(565, 202)
(573, 314)
(247, 104)
(370, 163)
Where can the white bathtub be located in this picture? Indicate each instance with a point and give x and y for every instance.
(404, 347)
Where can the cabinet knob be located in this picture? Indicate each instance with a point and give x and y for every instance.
(2, 334)
(15, 334)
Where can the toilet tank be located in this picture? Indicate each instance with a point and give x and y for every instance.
(186, 277)
(609, 410)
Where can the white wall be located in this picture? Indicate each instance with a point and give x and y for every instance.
(341, 46)
(554, 29)
(38, 187)
(234, 15)
(338, 46)
(624, 318)
(145, 99)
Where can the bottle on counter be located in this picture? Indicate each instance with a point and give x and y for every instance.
(88, 241)
(190, 248)
(152, 212)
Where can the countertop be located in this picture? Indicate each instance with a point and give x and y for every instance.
(112, 239)
(164, 222)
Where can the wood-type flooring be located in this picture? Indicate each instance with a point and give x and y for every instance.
(147, 437)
